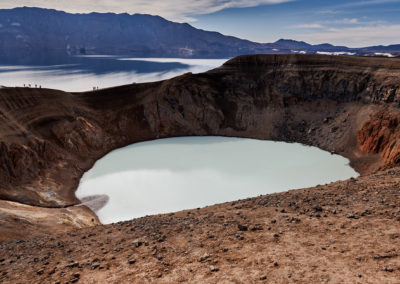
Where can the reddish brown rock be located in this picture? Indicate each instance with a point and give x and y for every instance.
(380, 135)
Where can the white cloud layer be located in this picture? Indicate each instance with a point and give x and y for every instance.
(347, 21)
(355, 36)
(308, 26)
(353, 4)
(177, 10)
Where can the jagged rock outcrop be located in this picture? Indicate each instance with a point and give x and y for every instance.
(381, 135)
(19, 221)
(49, 138)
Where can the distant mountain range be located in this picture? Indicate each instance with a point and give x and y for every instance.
(25, 31)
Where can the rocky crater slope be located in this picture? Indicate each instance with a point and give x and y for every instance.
(346, 105)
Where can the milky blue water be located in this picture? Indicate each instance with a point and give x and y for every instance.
(173, 174)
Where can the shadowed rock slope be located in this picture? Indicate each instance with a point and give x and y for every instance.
(49, 138)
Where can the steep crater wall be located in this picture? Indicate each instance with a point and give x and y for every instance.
(49, 138)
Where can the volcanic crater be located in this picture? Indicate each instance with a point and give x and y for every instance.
(343, 232)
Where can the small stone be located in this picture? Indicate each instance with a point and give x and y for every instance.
(389, 269)
(352, 216)
(137, 243)
(213, 268)
(257, 227)
(132, 261)
(40, 271)
(52, 271)
(239, 237)
(242, 227)
(161, 238)
(318, 209)
(263, 277)
(204, 257)
(95, 265)
(73, 264)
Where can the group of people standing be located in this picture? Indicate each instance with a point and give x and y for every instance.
(30, 86)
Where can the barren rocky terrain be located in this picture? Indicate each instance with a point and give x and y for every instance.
(344, 232)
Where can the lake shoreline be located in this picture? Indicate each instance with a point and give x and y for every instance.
(169, 175)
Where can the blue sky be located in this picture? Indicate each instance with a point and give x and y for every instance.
(352, 23)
